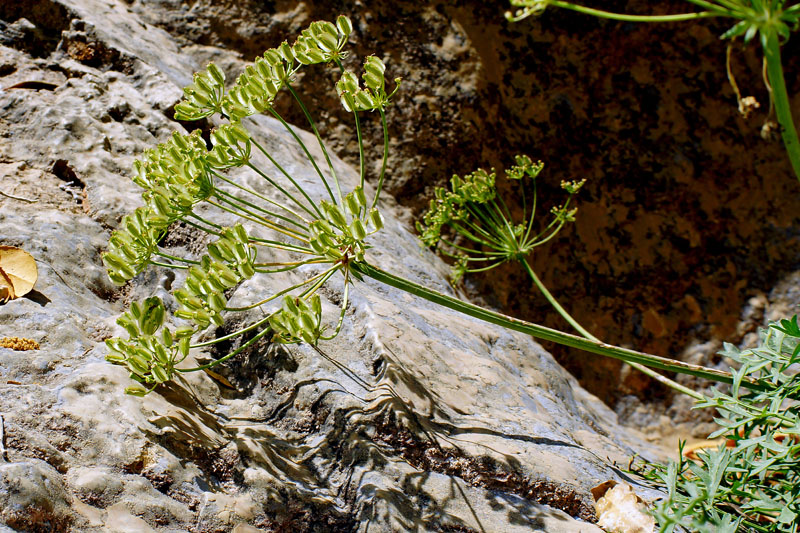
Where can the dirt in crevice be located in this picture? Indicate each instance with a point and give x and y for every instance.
(482, 472)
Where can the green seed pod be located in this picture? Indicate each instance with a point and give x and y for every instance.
(138, 364)
(316, 305)
(273, 56)
(185, 314)
(373, 81)
(334, 214)
(290, 305)
(308, 323)
(358, 230)
(216, 301)
(136, 390)
(360, 196)
(204, 84)
(375, 66)
(201, 318)
(161, 355)
(352, 204)
(160, 374)
(327, 42)
(239, 132)
(166, 337)
(364, 100)
(344, 25)
(115, 358)
(120, 267)
(187, 111)
(315, 55)
(326, 241)
(317, 246)
(184, 332)
(328, 28)
(216, 73)
(286, 52)
(279, 72)
(183, 346)
(246, 270)
(376, 218)
(302, 57)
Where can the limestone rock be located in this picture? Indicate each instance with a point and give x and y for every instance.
(413, 418)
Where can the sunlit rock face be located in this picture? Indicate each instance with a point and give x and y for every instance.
(414, 418)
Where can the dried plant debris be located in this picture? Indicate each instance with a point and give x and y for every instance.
(18, 273)
(620, 510)
(18, 343)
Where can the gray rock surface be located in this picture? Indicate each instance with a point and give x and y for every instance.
(414, 418)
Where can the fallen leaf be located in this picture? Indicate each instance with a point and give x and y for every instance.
(219, 378)
(620, 510)
(18, 273)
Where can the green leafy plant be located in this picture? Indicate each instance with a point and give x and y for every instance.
(772, 21)
(752, 481)
(285, 223)
(473, 226)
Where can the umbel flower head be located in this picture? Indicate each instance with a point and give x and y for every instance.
(472, 225)
(182, 173)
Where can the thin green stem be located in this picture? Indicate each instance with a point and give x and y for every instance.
(235, 199)
(281, 246)
(322, 275)
(231, 335)
(254, 217)
(319, 140)
(232, 354)
(305, 150)
(632, 18)
(583, 331)
(548, 334)
(385, 157)
(344, 308)
(783, 109)
(262, 197)
(168, 265)
(176, 258)
(286, 193)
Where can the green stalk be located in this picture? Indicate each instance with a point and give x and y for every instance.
(385, 157)
(289, 177)
(305, 149)
(548, 334)
(631, 18)
(321, 144)
(783, 109)
(580, 329)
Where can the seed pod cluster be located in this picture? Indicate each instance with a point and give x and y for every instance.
(373, 96)
(256, 88)
(231, 146)
(175, 177)
(131, 246)
(229, 262)
(524, 167)
(151, 351)
(297, 321)
(204, 96)
(335, 235)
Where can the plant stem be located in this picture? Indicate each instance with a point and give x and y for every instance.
(632, 18)
(783, 109)
(548, 334)
(574, 323)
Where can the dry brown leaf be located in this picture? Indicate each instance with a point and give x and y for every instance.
(219, 378)
(620, 510)
(18, 273)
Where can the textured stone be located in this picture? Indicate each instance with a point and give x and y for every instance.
(414, 417)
